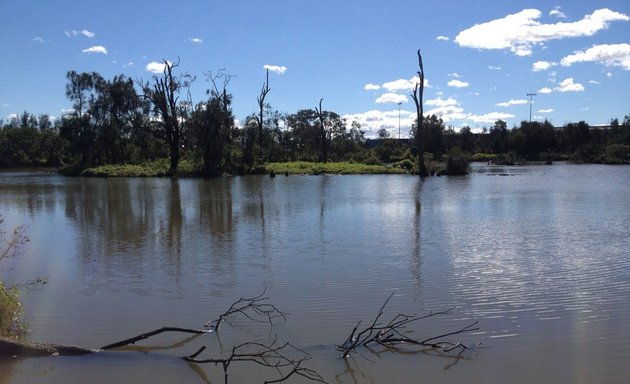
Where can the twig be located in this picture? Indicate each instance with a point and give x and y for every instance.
(253, 308)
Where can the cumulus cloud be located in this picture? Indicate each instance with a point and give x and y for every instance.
(442, 38)
(197, 40)
(593, 82)
(447, 109)
(557, 12)
(391, 97)
(84, 32)
(280, 70)
(521, 31)
(96, 49)
(542, 65)
(457, 84)
(155, 67)
(372, 121)
(38, 39)
(494, 67)
(489, 118)
(545, 90)
(511, 103)
(401, 84)
(371, 87)
(569, 85)
(439, 102)
(617, 55)
(546, 110)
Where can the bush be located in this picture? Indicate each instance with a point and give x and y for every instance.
(616, 154)
(457, 163)
(10, 311)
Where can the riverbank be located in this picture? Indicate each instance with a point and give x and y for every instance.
(160, 168)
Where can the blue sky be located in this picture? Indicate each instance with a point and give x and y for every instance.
(481, 58)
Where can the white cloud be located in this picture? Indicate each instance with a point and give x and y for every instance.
(442, 38)
(372, 121)
(455, 75)
(542, 65)
(401, 84)
(617, 55)
(545, 90)
(371, 87)
(489, 118)
(96, 49)
(391, 97)
(38, 39)
(593, 82)
(609, 74)
(447, 113)
(494, 67)
(12, 116)
(439, 102)
(84, 32)
(457, 84)
(556, 12)
(520, 32)
(545, 110)
(6, 105)
(155, 67)
(512, 102)
(197, 40)
(569, 85)
(280, 70)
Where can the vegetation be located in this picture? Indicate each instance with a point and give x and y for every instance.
(11, 325)
(119, 127)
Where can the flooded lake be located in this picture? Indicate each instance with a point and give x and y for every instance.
(539, 256)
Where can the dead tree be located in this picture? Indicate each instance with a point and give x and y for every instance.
(417, 95)
(394, 333)
(261, 107)
(322, 131)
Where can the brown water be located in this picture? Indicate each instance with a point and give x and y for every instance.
(540, 256)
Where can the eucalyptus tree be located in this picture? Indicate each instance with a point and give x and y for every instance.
(163, 93)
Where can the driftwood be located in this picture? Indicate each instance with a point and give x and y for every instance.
(394, 333)
(12, 348)
(255, 308)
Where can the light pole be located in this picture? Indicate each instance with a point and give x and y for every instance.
(399, 121)
(531, 95)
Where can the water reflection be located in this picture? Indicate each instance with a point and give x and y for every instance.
(541, 258)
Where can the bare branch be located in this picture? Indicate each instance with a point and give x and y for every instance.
(255, 308)
(147, 335)
(395, 332)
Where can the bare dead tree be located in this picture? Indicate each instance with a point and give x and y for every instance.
(322, 131)
(146, 335)
(417, 96)
(395, 333)
(271, 355)
(255, 308)
(261, 107)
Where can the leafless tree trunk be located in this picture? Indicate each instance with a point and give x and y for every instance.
(417, 95)
(261, 107)
(322, 131)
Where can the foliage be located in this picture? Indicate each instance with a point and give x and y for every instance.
(11, 325)
(457, 163)
(341, 168)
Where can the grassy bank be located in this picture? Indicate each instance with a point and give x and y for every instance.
(341, 168)
(190, 169)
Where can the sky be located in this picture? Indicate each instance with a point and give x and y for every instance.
(481, 58)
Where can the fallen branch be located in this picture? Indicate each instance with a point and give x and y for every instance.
(10, 348)
(146, 335)
(394, 332)
(255, 308)
(272, 355)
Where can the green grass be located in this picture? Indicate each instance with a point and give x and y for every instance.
(340, 168)
(158, 168)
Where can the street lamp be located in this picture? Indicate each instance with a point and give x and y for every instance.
(531, 95)
(399, 121)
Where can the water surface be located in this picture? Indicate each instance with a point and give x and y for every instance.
(540, 256)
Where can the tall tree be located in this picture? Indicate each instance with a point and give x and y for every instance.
(417, 95)
(261, 108)
(163, 94)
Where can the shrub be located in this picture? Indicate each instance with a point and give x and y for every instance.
(10, 311)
